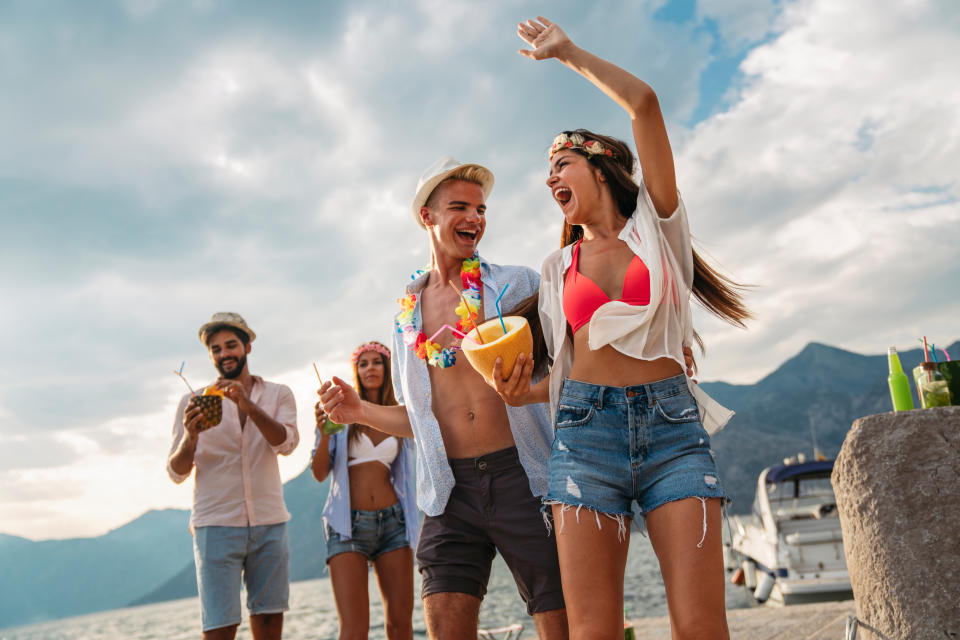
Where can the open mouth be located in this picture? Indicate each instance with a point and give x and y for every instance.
(467, 234)
(562, 195)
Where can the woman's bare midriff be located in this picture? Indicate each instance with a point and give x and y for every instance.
(370, 487)
(609, 367)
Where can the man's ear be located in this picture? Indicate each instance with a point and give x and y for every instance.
(248, 347)
(425, 216)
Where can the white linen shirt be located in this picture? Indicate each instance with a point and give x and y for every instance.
(238, 479)
(659, 329)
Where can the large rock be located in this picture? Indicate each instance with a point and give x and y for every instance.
(897, 481)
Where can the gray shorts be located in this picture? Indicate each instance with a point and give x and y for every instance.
(491, 509)
(260, 554)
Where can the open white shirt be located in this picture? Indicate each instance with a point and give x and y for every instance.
(657, 330)
(238, 479)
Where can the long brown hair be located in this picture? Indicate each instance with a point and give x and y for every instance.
(528, 308)
(715, 291)
(383, 396)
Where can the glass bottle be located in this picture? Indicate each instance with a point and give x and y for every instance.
(899, 385)
(932, 387)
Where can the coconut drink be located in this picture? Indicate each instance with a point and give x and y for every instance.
(482, 351)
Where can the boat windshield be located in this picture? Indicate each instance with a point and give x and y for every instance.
(802, 497)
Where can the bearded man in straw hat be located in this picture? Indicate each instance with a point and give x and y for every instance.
(239, 516)
(481, 465)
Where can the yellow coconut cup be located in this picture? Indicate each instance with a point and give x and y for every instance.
(517, 340)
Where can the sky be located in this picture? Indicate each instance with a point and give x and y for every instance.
(165, 159)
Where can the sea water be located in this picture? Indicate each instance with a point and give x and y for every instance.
(313, 614)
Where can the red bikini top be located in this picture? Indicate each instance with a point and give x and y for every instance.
(582, 296)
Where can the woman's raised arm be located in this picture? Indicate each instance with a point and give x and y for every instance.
(630, 92)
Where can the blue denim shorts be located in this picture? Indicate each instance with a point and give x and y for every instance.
(261, 554)
(614, 445)
(372, 533)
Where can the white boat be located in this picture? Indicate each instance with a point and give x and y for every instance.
(789, 550)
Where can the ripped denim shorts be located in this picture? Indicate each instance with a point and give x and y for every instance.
(614, 445)
(372, 533)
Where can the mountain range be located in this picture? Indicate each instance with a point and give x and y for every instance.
(810, 400)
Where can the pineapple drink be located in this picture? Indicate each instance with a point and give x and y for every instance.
(211, 406)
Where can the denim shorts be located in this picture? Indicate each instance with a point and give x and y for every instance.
(614, 445)
(261, 554)
(372, 533)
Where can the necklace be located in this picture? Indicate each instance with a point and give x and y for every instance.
(468, 310)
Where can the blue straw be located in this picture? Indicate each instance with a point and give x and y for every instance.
(181, 367)
(933, 349)
(502, 291)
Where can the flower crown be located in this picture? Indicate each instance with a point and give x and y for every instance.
(370, 346)
(577, 141)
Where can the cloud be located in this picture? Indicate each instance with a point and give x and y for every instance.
(829, 181)
(740, 22)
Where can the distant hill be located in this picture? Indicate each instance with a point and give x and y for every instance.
(151, 558)
(59, 578)
(820, 391)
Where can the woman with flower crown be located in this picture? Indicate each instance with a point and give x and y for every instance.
(615, 307)
(371, 515)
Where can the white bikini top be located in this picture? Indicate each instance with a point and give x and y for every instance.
(363, 450)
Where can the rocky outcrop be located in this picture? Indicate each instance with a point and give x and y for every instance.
(897, 482)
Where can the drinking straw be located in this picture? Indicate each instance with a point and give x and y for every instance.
(926, 356)
(182, 364)
(946, 354)
(472, 317)
(933, 350)
(453, 331)
(184, 380)
(318, 373)
(502, 291)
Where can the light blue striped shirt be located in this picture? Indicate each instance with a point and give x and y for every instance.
(530, 424)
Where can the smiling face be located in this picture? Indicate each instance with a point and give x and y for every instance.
(576, 185)
(370, 371)
(228, 353)
(455, 216)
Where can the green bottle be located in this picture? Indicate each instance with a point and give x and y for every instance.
(899, 385)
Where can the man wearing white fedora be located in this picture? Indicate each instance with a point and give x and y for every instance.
(481, 465)
(239, 517)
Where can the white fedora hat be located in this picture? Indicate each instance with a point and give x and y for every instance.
(437, 173)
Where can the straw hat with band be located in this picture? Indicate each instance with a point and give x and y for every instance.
(223, 319)
(437, 173)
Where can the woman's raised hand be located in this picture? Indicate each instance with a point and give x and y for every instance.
(319, 414)
(546, 38)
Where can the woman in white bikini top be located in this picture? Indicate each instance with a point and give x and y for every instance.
(380, 526)
(362, 449)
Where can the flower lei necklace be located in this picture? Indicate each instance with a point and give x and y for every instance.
(468, 310)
